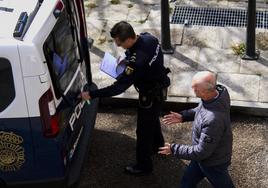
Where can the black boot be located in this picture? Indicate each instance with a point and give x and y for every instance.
(137, 170)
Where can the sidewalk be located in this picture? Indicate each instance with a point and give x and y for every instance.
(197, 48)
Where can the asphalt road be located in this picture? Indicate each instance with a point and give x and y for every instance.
(113, 147)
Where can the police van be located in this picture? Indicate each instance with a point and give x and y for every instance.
(45, 128)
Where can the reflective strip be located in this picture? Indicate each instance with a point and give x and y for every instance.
(156, 54)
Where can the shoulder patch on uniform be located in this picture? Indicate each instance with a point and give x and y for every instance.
(129, 70)
(133, 58)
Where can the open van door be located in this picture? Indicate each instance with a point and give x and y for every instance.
(67, 57)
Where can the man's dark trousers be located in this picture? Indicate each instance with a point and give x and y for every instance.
(149, 135)
(217, 175)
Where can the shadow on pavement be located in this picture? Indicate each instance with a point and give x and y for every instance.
(110, 152)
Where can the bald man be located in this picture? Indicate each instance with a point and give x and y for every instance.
(211, 149)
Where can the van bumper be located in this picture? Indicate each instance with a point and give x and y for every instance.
(51, 183)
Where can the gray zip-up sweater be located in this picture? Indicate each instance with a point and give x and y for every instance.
(211, 132)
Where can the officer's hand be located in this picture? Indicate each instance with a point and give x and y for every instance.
(166, 150)
(85, 95)
(172, 118)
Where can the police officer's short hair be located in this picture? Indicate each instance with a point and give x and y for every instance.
(122, 30)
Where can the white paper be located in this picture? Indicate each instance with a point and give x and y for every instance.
(110, 65)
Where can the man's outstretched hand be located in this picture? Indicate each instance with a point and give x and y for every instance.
(172, 118)
(165, 150)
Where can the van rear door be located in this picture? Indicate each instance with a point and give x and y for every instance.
(68, 73)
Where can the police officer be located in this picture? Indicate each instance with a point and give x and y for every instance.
(144, 69)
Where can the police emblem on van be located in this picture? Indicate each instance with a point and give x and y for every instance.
(11, 152)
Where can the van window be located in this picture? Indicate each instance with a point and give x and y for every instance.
(7, 89)
(62, 53)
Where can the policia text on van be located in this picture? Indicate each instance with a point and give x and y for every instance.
(44, 64)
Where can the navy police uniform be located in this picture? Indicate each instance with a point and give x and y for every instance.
(144, 69)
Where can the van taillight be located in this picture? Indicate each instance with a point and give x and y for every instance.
(48, 114)
(58, 9)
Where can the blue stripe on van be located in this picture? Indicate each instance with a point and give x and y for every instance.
(34, 158)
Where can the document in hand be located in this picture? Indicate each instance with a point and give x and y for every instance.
(110, 65)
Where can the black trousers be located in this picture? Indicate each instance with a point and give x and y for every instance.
(149, 134)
